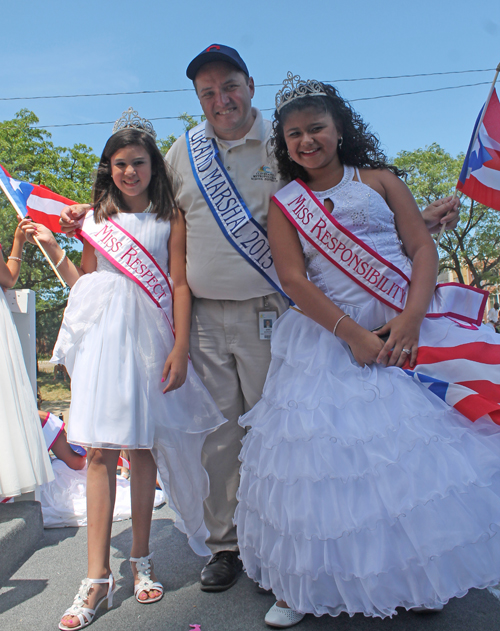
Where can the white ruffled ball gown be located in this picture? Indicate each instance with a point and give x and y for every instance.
(361, 490)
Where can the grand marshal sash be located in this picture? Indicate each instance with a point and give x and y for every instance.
(378, 276)
(132, 259)
(242, 231)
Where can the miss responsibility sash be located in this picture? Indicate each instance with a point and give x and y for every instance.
(378, 276)
(131, 258)
(244, 233)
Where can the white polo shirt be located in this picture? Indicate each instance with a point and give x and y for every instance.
(214, 268)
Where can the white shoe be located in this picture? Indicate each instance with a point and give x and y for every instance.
(79, 609)
(282, 617)
(433, 609)
(145, 583)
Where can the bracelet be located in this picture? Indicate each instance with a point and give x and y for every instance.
(14, 258)
(61, 259)
(346, 315)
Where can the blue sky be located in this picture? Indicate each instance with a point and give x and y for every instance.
(60, 47)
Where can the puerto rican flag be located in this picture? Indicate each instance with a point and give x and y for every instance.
(480, 175)
(35, 200)
(466, 376)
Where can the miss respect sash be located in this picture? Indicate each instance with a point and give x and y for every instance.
(378, 276)
(242, 231)
(131, 258)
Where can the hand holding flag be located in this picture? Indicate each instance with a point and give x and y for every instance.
(43, 206)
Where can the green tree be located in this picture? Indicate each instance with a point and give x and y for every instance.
(475, 242)
(28, 154)
(189, 122)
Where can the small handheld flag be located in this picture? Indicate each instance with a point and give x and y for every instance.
(40, 202)
(480, 175)
(37, 201)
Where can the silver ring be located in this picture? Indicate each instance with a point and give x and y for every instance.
(407, 351)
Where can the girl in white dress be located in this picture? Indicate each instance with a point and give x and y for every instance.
(24, 462)
(133, 386)
(361, 490)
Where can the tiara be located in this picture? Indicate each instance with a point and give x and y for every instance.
(295, 88)
(131, 120)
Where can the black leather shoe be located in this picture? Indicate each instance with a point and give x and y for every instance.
(221, 572)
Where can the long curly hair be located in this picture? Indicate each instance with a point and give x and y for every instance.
(360, 148)
(107, 198)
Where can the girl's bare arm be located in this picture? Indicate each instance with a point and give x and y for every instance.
(404, 329)
(175, 369)
(9, 270)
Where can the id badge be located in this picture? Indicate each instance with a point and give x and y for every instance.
(266, 321)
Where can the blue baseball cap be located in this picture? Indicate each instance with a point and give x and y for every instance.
(216, 52)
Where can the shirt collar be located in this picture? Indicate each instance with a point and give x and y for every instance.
(257, 131)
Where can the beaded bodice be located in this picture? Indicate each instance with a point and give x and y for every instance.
(365, 213)
(152, 234)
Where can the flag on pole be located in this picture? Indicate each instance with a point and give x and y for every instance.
(35, 200)
(480, 175)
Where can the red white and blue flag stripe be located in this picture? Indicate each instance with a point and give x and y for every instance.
(465, 376)
(480, 175)
(35, 200)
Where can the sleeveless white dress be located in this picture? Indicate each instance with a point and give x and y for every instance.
(361, 490)
(24, 462)
(114, 341)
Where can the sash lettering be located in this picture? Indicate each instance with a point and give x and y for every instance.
(244, 233)
(132, 259)
(378, 276)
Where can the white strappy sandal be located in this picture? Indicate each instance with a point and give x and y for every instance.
(145, 583)
(78, 609)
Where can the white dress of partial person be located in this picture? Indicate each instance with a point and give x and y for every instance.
(24, 462)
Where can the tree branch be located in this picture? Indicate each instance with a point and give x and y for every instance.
(57, 307)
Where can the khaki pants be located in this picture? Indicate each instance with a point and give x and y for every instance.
(232, 362)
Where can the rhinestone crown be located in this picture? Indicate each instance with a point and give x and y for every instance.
(295, 88)
(131, 120)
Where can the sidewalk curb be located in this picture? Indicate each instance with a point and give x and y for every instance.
(21, 530)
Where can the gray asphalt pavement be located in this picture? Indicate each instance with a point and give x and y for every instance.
(44, 586)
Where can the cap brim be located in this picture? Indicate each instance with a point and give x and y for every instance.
(206, 58)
